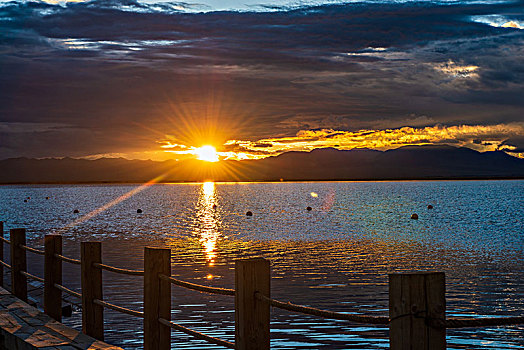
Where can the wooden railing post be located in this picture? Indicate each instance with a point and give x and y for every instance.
(157, 298)
(252, 314)
(52, 276)
(1, 254)
(18, 263)
(414, 299)
(92, 314)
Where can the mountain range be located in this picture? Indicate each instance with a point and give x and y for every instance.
(404, 163)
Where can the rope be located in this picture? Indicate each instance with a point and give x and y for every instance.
(5, 240)
(68, 291)
(33, 277)
(119, 308)
(479, 322)
(464, 322)
(69, 260)
(5, 264)
(196, 334)
(32, 250)
(198, 287)
(323, 313)
(119, 270)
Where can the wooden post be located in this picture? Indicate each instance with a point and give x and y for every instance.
(52, 275)
(1, 254)
(252, 314)
(92, 314)
(157, 298)
(18, 263)
(414, 299)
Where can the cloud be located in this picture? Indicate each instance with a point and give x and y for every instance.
(478, 137)
(17, 128)
(123, 74)
(457, 71)
(500, 137)
(501, 21)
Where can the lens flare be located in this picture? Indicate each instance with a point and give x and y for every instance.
(207, 153)
(108, 205)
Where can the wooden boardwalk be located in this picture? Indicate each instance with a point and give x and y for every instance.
(24, 327)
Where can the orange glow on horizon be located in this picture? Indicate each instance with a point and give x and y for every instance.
(478, 137)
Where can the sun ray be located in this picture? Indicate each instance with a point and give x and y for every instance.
(110, 204)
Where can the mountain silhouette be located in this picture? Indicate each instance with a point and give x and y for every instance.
(404, 163)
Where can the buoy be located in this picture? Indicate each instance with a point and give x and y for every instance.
(46, 197)
(430, 206)
(139, 211)
(214, 206)
(249, 213)
(75, 211)
(309, 208)
(414, 216)
(25, 200)
(28, 197)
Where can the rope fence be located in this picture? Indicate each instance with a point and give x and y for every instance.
(119, 270)
(3, 263)
(323, 313)
(32, 250)
(196, 334)
(69, 260)
(32, 277)
(119, 308)
(198, 287)
(68, 291)
(408, 293)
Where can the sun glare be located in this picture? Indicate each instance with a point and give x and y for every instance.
(207, 153)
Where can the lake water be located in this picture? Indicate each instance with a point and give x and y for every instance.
(336, 256)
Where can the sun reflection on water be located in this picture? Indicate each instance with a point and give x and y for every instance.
(207, 221)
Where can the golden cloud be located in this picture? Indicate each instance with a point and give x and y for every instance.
(478, 137)
(456, 70)
(512, 24)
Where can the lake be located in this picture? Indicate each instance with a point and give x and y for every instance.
(336, 256)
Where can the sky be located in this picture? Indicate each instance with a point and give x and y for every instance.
(157, 80)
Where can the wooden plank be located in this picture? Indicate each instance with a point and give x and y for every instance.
(157, 298)
(252, 316)
(18, 263)
(436, 306)
(25, 327)
(1, 254)
(398, 326)
(415, 286)
(52, 275)
(92, 314)
(414, 298)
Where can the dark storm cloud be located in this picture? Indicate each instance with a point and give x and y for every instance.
(122, 74)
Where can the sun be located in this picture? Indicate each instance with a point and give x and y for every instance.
(207, 153)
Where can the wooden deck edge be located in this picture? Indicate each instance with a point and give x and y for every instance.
(24, 327)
